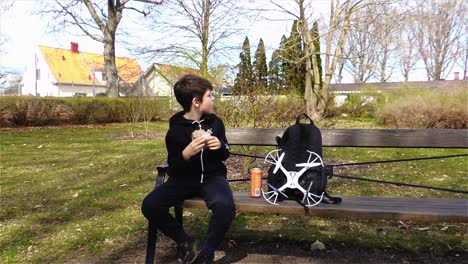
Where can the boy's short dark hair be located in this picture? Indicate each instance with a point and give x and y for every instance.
(191, 86)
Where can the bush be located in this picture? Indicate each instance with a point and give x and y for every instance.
(100, 110)
(36, 111)
(359, 105)
(424, 108)
(24, 111)
(259, 110)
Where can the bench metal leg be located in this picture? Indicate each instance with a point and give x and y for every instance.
(151, 243)
(179, 212)
(153, 235)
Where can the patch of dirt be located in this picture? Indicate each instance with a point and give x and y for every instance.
(271, 252)
(138, 135)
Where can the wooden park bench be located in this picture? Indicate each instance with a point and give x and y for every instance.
(390, 208)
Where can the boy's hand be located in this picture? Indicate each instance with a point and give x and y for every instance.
(194, 147)
(213, 143)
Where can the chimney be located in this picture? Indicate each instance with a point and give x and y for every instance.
(74, 47)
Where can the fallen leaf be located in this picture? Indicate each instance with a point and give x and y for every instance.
(423, 228)
(186, 213)
(405, 225)
(109, 241)
(317, 245)
(232, 243)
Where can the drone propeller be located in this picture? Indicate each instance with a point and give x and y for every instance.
(272, 196)
(311, 199)
(277, 160)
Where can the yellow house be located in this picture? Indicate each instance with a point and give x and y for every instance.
(70, 72)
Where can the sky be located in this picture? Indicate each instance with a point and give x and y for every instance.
(24, 30)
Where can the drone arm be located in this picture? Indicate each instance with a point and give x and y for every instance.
(299, 173)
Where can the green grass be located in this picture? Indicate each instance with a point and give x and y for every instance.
(74, 193)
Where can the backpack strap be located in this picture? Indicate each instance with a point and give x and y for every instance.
(298, 118)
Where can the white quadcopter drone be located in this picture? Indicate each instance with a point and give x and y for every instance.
(292, 178)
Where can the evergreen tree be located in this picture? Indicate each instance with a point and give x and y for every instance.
(276, 78)
(316, 39)
(244, 78)
(275, 73)
(294, 67)
(260, 69)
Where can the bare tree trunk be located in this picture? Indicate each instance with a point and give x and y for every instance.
(339, 76)
(383, 65)
(312, 89)
(331, 60)
(205, 37)
(109, 29)
(110, 66)
(406, 75)
(438, 68)
(465, 77)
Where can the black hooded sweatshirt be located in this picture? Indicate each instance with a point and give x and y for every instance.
(205, 164)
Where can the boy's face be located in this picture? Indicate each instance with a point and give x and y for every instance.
(206, 106)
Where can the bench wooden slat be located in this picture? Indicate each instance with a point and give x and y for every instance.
(395, 138)
(414, 209)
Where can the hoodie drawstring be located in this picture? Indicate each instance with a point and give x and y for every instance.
(201, 154)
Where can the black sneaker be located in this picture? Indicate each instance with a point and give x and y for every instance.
(187, 251)
(205, 259)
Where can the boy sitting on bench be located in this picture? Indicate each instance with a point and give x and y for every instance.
(197, 146)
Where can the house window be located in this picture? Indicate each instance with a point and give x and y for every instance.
(38, 74)
(103, 76)
(80, 95)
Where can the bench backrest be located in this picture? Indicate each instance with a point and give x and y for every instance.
(385, 138)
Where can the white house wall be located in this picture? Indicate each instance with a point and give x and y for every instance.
(69, 90)
(157, 86)
(45, 84)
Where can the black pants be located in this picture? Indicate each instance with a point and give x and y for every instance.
(217, 195)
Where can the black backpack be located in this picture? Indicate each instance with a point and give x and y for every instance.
(299, 149)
